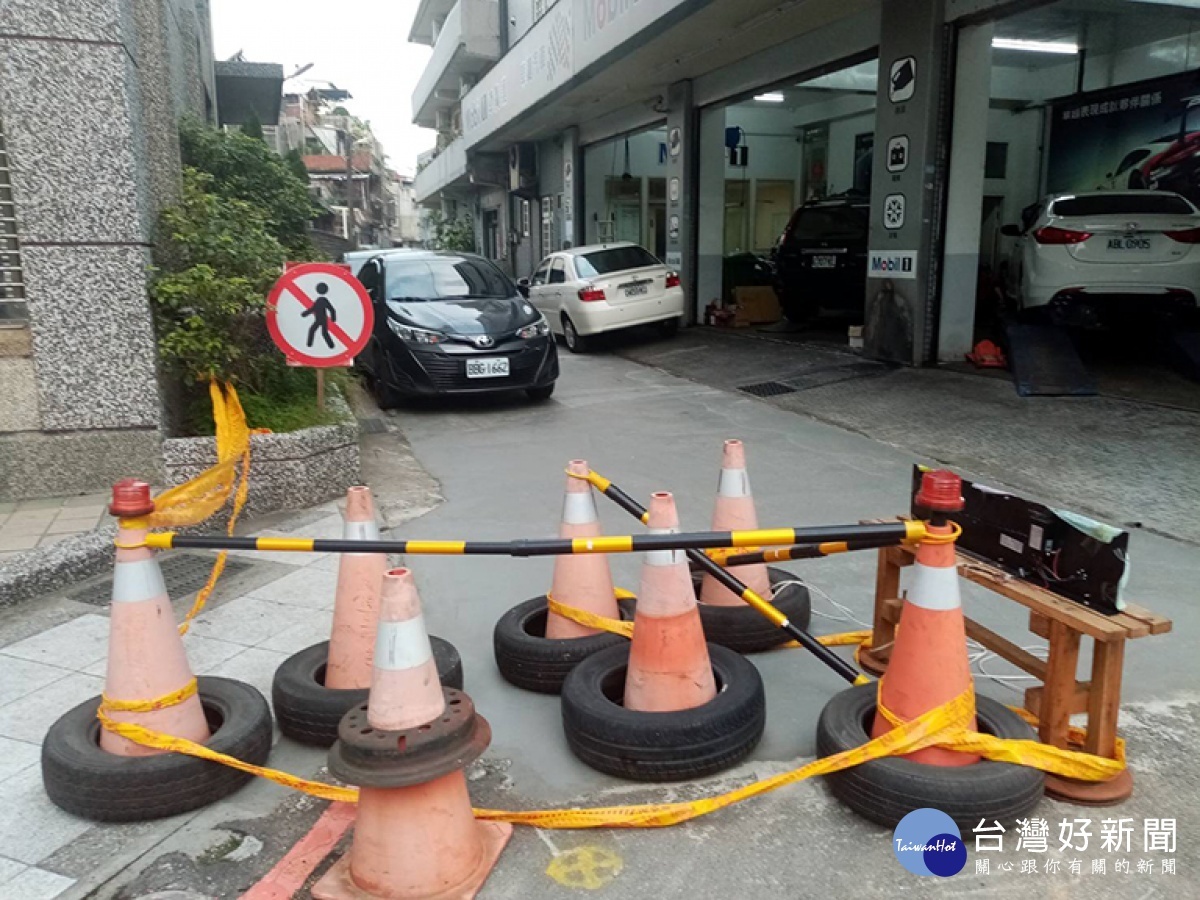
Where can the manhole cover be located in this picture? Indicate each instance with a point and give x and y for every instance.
(183, 573)
(767, 389)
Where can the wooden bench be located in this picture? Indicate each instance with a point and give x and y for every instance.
(1063, 623)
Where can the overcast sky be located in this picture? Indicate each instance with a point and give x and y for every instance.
(360, 46)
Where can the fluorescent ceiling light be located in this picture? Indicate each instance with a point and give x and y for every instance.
(769, 98)
(1063, 47)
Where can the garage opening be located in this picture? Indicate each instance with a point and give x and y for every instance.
(625, 190)
(1095, 99)
(785, 178)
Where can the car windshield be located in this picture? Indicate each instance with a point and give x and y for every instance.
(832, 224)
(1149, 203)
(445, 278)
(614, 259)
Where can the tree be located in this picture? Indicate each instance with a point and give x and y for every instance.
(243, 168)
(453, 234)
(216, 260)
(253, 128)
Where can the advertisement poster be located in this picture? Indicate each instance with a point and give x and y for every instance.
(1143, 135)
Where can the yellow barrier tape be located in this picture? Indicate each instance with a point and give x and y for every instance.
(943, 726)
(108, 704)
(591, 620)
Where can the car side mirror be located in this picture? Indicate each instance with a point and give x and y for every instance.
(523, 287)
(1011, 230)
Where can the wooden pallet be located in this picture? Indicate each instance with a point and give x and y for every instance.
(1061, 622)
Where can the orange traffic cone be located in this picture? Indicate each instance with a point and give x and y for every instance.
(146, 659)
(356, 605)
(669, 668)
(929, 665)
(583, 581)
(735, 512)
(415, 835)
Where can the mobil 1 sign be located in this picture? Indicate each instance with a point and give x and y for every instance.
(894, 264)
(319, 315)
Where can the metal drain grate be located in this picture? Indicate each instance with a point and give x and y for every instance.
(183, 573)
(767, 389)
(372, 426)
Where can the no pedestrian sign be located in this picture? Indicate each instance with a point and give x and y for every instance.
(319, 315)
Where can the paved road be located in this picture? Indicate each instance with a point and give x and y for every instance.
(495, 470)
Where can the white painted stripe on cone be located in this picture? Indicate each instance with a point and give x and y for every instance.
(360, 531)
(579, 509)
(734, 483)
(935, 587)
(134, 582)
(664, 557)
(402, 645)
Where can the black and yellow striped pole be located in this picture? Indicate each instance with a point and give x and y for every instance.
(692, 540)
(797, 551)
(763, 607)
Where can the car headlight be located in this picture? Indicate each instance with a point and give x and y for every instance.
(414, 335)
(540, 328)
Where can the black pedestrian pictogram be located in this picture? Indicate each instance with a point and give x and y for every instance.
(323, 313)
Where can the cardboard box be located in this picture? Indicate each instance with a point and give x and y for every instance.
(757, 305)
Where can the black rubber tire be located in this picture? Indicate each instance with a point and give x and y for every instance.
(577, 344)
(668, 327)
(385, 396)
(742, 629)
(309, 712)
(886, 790)
(89, 782)
(527, 659)
(662, 746)
(540, 394)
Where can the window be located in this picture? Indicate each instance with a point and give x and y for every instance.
(828, 223)
(368, 276)
(615, 259)
(539, 277)
(13, 311)
(558, 272)
(995, 162)
(442, 277)
(1148, 204)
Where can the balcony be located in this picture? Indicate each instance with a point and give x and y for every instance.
(444, 170)
(430, 13)
(467, 46)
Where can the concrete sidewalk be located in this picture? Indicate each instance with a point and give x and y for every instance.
(492, 470)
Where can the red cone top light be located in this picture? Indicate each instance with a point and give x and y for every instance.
(941, 491)
(131, 497)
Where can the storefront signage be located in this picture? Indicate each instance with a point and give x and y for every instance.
(893, 211)
(1143, 135)
(894, 264)
(902, 79)
(897, 153)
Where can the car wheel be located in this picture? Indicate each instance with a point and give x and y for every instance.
(668, 327)
(386, 396)
(538, 394)
(575, 341)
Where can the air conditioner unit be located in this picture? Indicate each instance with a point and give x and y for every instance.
(522, 168)
(443, 119)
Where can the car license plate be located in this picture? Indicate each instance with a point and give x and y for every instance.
(636, 290)
(1129, 243)
(824, 262)
(494, 367)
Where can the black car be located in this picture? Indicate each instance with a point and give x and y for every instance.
(821, 259)
(452, 323)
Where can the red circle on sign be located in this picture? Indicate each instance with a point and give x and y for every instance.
(352, 344)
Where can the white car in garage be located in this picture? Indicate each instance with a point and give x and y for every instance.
(1082, 258)
(589, 290)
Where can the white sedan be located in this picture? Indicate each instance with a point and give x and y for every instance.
(1082, 257)
(588, 290)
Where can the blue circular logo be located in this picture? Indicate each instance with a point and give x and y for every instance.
(927, 842)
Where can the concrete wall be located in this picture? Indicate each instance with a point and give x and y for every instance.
(89, 102)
